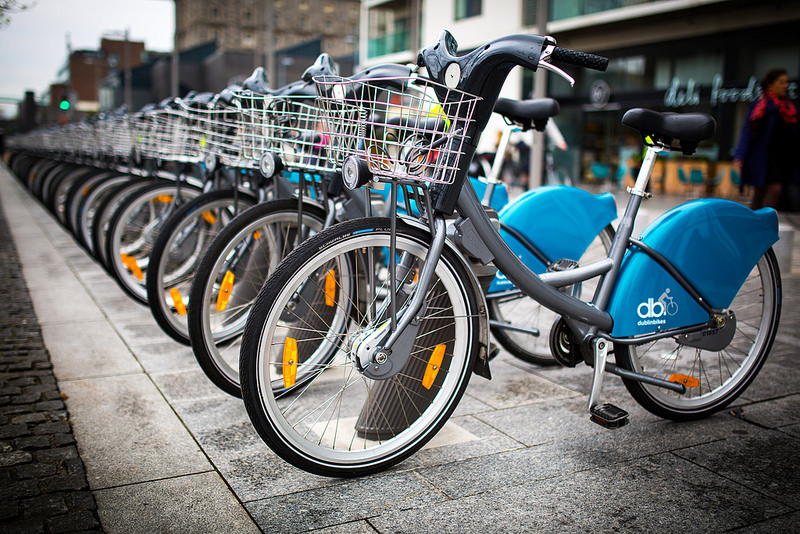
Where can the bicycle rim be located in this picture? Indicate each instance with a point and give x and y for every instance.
(176, 257)
(249, 249)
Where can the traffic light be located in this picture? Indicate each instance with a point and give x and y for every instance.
(64, 104)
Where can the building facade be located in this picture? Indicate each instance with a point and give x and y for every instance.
(268, 28)
(678, 55)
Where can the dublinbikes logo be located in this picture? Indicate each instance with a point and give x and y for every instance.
(655, 312)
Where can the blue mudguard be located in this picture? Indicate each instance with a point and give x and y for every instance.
(713, 243)
(560, 221)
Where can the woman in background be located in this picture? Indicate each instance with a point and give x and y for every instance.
(768, 153)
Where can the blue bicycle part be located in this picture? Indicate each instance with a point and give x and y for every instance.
(712, 243)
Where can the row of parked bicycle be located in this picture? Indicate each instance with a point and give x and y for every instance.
(317, 247)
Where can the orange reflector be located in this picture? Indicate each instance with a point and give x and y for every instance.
(289, 362)
(132, 266)
(330, 288)
(256, 234)
(177, 300)
(688, 381)
(225, 291)
(166, 199)
(209, 217)
(433, 366)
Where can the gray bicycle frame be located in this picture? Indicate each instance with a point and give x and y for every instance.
(586, 318)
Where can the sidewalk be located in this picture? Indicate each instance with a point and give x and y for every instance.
(165, 451)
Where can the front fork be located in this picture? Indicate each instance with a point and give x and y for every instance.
(375, 352)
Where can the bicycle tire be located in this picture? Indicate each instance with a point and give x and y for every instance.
(215, 334)
(361, 425)
(106, 211)
(135, 227)
(177, 251)
(721, 376)
(521, 310)
(90, 204)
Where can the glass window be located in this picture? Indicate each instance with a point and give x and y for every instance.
(389, 29)
(467, 8)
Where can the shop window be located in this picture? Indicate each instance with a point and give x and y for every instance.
(467, 8)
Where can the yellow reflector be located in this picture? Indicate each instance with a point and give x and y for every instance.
(256, 234)
(330, 288)
(225, 291)
(433, 366)
(209, 217)
(289, 362)
(166, 199)
(688, 381)
(132, 266)
(177, 300)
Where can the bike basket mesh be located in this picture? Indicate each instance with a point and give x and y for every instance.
(169, 137)
(404, 128)
(215, 131)
(286, 126)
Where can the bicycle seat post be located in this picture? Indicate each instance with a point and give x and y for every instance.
(648, 163)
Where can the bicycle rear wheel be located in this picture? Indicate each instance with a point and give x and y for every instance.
(520, 311)
(713, 378)
(303, 390)
(229, 276)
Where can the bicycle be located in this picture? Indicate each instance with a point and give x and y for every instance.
(411, 325)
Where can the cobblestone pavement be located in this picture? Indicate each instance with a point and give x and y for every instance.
(165, 451)
(43, 486)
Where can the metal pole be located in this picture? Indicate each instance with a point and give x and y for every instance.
(128, 103)
(174, 72)
(536, 163)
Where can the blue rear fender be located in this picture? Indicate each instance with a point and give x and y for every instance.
(560, 221)
(713, 243)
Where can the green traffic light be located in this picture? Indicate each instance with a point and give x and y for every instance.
(64, 105)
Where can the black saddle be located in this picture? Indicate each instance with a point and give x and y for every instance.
(687, 128)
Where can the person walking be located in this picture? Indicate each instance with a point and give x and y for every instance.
(768, 152)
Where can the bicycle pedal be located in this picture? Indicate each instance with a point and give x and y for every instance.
(562, 265)
(609, 416)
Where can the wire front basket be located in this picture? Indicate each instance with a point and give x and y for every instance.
(285, 126)
(215, 132)
(404, 128)
(168, 136)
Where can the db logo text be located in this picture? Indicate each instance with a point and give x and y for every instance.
(654, 312)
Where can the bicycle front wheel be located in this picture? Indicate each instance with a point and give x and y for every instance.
(229, 277)
(178, 250)
(304, 390)
(713, 378)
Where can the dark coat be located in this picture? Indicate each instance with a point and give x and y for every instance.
(753, 147)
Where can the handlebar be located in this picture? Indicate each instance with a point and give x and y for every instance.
(482, 73)
(579, 59)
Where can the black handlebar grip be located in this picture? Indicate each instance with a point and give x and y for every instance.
(580, 59)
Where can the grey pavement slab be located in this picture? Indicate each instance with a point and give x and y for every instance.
(175, 505)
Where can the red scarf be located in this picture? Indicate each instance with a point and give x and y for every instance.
(785, 108)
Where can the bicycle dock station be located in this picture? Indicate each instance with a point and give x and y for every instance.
(164, 450)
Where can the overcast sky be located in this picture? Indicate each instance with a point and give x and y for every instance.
(33, 46)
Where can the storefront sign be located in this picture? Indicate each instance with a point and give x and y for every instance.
(678, 95)
(722, 95)
(675, 97)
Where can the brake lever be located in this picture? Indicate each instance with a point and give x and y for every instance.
(547, 51)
